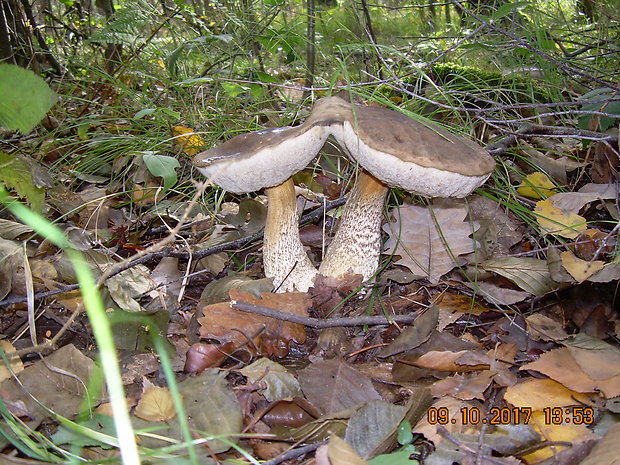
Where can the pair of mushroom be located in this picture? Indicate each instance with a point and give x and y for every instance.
(392, 149)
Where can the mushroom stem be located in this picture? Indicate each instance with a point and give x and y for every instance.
(357, 243)
(284, 257)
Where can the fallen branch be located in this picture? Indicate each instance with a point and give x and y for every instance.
(319, 323)
(159, 253)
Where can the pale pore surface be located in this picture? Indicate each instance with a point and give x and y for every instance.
(267, 167)
(284, 257)
(417, 179)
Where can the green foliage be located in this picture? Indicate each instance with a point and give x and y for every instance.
(25, 98)
(603, 103)
(506, 89)
(128, 24)
(15, 174)
(163, 167)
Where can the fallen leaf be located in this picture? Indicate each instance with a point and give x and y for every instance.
(449, 361)
(543, 328)
(567, 432)
(334, 385)
(429, 240)
(278, 381)
(554, 220)
(559, 365)
(16, 363)
(464, 387)
(605, 452)
(189, 142)
(155, 405)
(530, 274)
(341, 453)
(536, 185)
(578, 268)
(220, 321)
(372, 425)
(540, 393)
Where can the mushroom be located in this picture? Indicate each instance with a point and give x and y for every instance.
(395, 151)
(267, 159)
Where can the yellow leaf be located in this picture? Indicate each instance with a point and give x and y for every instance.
(556, 221)
(536, 186)
(540, 393)
(566, 432)
(155, 405)
(16, 364)
(189, 142)
(578, 268)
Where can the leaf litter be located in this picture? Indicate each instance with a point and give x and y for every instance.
(514, 319)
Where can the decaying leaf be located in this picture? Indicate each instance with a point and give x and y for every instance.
(341, 453)
(605, 452)
(542, 327)
(155, 404)
(530, 274)
(429, 240)
(334, 385)
(371, 425)
(221, 322)
(59, 383)
(16, 363)
(278, 381)
(561, 366)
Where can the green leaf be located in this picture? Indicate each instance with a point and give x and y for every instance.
(25, 98)
(15, 174)
(508, 8)
(400, 457)
(233, 89)
(163, 167)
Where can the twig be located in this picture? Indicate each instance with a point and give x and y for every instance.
(293, 453)
(319, 323)
(150, 254)
(528, 130)
(115, 269)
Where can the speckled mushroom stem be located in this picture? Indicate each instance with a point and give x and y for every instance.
(284, 257)
(357, 244)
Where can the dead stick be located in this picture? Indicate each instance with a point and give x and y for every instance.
(317, 322)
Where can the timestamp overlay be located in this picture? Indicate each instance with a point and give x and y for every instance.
(578, 415)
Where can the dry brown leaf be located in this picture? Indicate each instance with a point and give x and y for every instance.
(605, 452)
(462, 361)
(334, 385)
(453, 407)
(226, 324)
(16, 363)
(341, 453)
(155, 405)
(578, 268)
(464, 387)
(554, 220)
(429, 240)
(560, 365)
(540, 393)
(543, 328)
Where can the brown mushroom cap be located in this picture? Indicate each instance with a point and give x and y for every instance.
(423, 159)
(266, 158)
